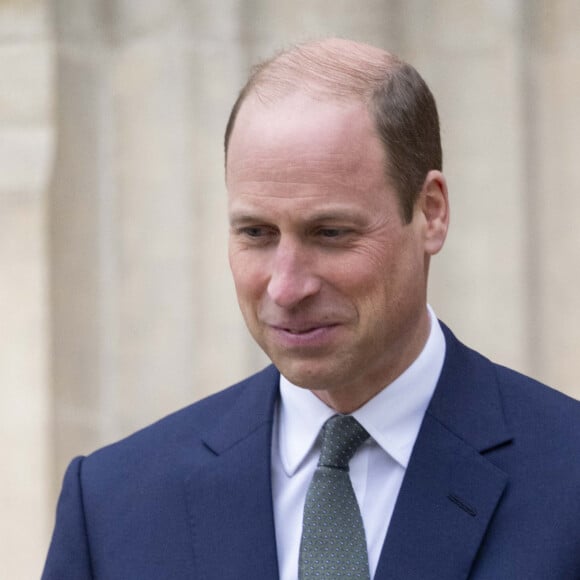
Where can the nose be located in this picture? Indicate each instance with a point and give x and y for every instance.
(292, 278)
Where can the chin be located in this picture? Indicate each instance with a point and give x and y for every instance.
(307, 377)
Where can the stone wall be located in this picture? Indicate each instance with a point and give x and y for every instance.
(116, 305)
(26, 138)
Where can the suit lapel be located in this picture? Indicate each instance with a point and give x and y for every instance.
(448, 497)
(229, 496)
(451, 489)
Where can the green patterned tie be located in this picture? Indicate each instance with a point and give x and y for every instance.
(333, 537)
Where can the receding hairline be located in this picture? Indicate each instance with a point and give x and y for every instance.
(333, 68)
(397, 98)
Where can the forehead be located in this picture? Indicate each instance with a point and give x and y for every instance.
(299, 139)
(300, 159)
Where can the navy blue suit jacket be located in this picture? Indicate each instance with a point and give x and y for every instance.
(492, 490)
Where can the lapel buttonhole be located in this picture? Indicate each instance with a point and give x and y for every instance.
(462, 504)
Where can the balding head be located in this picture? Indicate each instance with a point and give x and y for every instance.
(400, 103)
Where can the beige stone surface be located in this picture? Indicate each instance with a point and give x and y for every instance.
(559, 208)
(24, 397)
(27, 72)
(23, 21)
(155, 229)
(478, 281)
(26, 139)
(80, 23)
(79, 236)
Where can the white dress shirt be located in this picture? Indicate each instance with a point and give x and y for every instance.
(392, 418)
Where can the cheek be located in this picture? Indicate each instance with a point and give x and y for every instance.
(378, 282)
(248, 300)
(248, 280)
(363, 285)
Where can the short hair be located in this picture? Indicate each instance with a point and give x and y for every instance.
(398, 99)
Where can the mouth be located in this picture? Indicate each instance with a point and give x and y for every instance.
(306, 329)
(301, 330)
(311, 335)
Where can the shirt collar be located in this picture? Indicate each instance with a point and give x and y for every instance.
(393, 417)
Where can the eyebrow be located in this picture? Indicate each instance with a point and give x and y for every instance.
(337, 215)
(242, 216)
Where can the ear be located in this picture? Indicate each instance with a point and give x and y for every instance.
(433, 204)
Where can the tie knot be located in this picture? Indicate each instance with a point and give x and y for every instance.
(342, 435)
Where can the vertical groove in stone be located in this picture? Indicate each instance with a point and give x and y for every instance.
(121, 222)
(108, 260)
(532, 159)
(80, 257)
(26, 151)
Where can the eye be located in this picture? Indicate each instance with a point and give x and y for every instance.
(331, 232)
(253, 231)
(256, 234)
(334, 233)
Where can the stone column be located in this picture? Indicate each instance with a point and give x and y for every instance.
(269, 26)
(553, 42)
(122, 213)
(505, 75)
(26, 139)
(470, 55)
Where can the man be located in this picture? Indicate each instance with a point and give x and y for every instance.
(460, 468)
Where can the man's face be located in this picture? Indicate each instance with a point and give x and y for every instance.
(331, 283)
